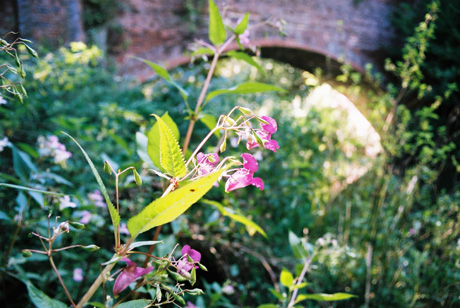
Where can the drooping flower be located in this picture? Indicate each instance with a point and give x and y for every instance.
(244, 38)
(85, 217)
(50, 146)
(65, 202)
(184, 265)
(245, 176)
(124, 228)
(265, 134)
(4, 143)
(206, 162)
(129, 275)
(78, 274)
(190, 305)
(97, 198)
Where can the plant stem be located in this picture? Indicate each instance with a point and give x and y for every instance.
(193, 119)
(60, 279)
(102, 276)
(299, 281)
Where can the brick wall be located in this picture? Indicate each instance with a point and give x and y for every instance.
(161, 30)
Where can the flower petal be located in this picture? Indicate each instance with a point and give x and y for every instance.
(271, 127)
(271, 145)
(249, 162)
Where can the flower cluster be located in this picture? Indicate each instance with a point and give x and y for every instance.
(184, 266)
(265, 134)
(50, 146)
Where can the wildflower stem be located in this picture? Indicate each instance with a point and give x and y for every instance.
(60, 279)
(102, 276)
(299, 281)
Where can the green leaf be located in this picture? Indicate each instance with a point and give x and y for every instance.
(202, 51)
(96, 305)
(41, 300)
(246, 58)
(168, 208)
(243, 25)
(143, 243)
(171, 159)
(239, 218)
(286, 278)
(153, 143)
(297, 247)
(113, 212)
(217, 33)
(22, 164)
(267, 306)
(137, 178)
(278, 295)
(325, 297)
(245, 88)
(137, 303)
(300, 285)
(163, 73)
(210, 121)
(32, 189)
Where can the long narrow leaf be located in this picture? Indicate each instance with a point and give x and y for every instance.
(324, 297)
(32, 189)
(163, 73)
(113, 212)
(239, 218)
(246, 58)
(245, 88)
(217, 33)
(168, 208)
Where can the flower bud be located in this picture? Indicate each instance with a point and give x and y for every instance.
(137, 178)
(77, 225)
(107, 168)
(26, 253)
(91, 247)
(245, 111)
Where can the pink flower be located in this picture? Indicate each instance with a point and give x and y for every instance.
(129, 275)
(78, 274)
(244, 176)
(265, 133)
(206, 162)
(184, 265)
(97, 198)
(190, 305)
(244, 38)
(85, 217)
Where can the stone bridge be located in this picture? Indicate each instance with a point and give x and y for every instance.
(318, 32)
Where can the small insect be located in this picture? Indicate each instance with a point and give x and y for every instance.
(174, 182)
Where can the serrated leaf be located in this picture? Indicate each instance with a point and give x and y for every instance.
(246, 58)
(239, 218)
(243, 25)
(168, 208)
(137, 303)
(245, 88)
(210, 121)
(41, 300)
(163, 73)
(113, 212)
(217, 33)
(286, 278)
(171, 159)
(324, 297)
(153, 141)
